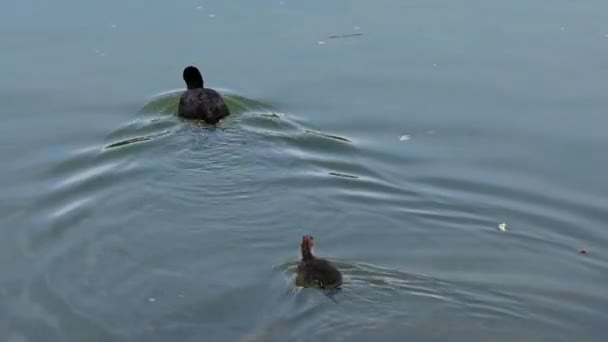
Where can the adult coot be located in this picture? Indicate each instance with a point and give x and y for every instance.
(198, 102)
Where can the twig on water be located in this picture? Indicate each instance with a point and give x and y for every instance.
(345, 35)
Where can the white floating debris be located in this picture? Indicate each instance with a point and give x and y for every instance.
(282, 3)
(606, 35)
(321, 42)
(356, 28)
(113, 26)
(198, 8)
(99, 52)
(562, 28)
(151, 300)
(431, 132)
(211, 15)
(503, 227)
(435, 65)
(180, 295)
(404, 137)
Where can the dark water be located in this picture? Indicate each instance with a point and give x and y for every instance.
(402, 150)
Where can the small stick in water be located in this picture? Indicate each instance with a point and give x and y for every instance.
(345, 35)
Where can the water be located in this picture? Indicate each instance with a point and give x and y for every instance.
(402, 150)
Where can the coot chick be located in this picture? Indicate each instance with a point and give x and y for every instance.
(313, 271)
(198, 102)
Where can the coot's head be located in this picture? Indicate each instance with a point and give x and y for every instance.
(193, 77)
(306, 246)
(308, 241)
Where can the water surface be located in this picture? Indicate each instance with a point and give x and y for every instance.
(402, 149)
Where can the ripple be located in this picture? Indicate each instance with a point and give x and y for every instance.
(547, 217)
(156, 212)
(37, 313)
(371, 295)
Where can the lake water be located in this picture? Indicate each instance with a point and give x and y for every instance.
(450, 158)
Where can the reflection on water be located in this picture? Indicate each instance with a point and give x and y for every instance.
(167, 103)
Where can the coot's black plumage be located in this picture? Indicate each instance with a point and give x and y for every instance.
(313, 271)
(198, 102)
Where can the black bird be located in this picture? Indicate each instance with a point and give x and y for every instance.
(313, 271)
(198, 102)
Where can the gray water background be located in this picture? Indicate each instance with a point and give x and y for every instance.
(401, 150)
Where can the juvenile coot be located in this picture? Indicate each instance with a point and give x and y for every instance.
(199, 102)
(313, 271)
